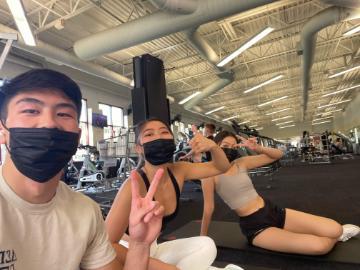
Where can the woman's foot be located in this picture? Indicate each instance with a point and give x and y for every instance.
(349, 231)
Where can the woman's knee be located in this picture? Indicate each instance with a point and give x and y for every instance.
(335, 230)
(208, 245)
(321, 246)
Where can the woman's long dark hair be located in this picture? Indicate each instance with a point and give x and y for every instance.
(139, 128)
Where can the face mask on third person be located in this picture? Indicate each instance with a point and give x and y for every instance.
(231, 153)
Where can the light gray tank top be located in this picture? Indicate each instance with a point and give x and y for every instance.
(236, 190)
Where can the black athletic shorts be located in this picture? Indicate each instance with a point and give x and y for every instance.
(268, 216)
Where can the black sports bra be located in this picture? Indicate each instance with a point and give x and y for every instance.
(166, 219)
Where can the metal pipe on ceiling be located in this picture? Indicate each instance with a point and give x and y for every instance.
(343, 3)
(202, 47)
(157, 25)
(207, 52)
(176, 6)
(61, 57)
(210, 89)
(319, 21)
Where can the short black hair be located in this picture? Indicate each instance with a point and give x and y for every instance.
(210, 126)
(39, 79)
(223, 134)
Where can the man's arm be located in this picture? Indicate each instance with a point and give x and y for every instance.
(114, 265)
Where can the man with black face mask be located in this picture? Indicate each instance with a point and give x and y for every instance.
(45, 225)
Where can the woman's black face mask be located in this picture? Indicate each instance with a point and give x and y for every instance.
(159, 151)
(231, 153)
(41, 153)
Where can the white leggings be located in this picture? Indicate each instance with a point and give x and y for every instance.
(194, 253)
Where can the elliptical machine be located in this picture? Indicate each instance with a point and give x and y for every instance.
(88, 173)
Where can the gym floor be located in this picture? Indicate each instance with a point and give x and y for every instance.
(330, 190)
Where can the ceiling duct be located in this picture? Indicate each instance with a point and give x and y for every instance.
(324, 18)
(211, 89)
(343, 3)
(176, 6)
(157, 25)
(204, 49)
(59, 56)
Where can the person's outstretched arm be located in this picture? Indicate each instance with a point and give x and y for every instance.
(218, 165)
(208, 186)
(266, 155)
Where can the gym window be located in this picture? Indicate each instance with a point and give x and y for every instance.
(84, 123)
(115, 119)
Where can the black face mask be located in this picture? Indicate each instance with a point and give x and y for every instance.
(159, 151)
(231, 153)
(41, 153)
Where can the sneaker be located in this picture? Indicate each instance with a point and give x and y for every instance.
(228, 267)
(233, 267)
(349, 231)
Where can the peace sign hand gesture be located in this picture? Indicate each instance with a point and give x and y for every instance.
(145, 215)
(250, 143)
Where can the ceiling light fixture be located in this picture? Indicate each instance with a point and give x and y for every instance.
(319, 123)
(189, 97)
(335, 103)
(231, 117)
(322, 118)
(271, 101)
(344, 71)
(287, 126)
(264, 83)
(278, 111)
(287, 122)
(245, 122)
(17, 10)
(215, 110)
(280, 118)
(329, 112)
(342, 90)
(246, 46)
(260, 128)
(352, 31)
(324, 113)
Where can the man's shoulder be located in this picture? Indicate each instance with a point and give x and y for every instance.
(76, 199)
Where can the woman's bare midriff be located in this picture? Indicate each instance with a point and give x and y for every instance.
(251, 207)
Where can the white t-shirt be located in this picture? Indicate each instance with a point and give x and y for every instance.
(66, 233)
